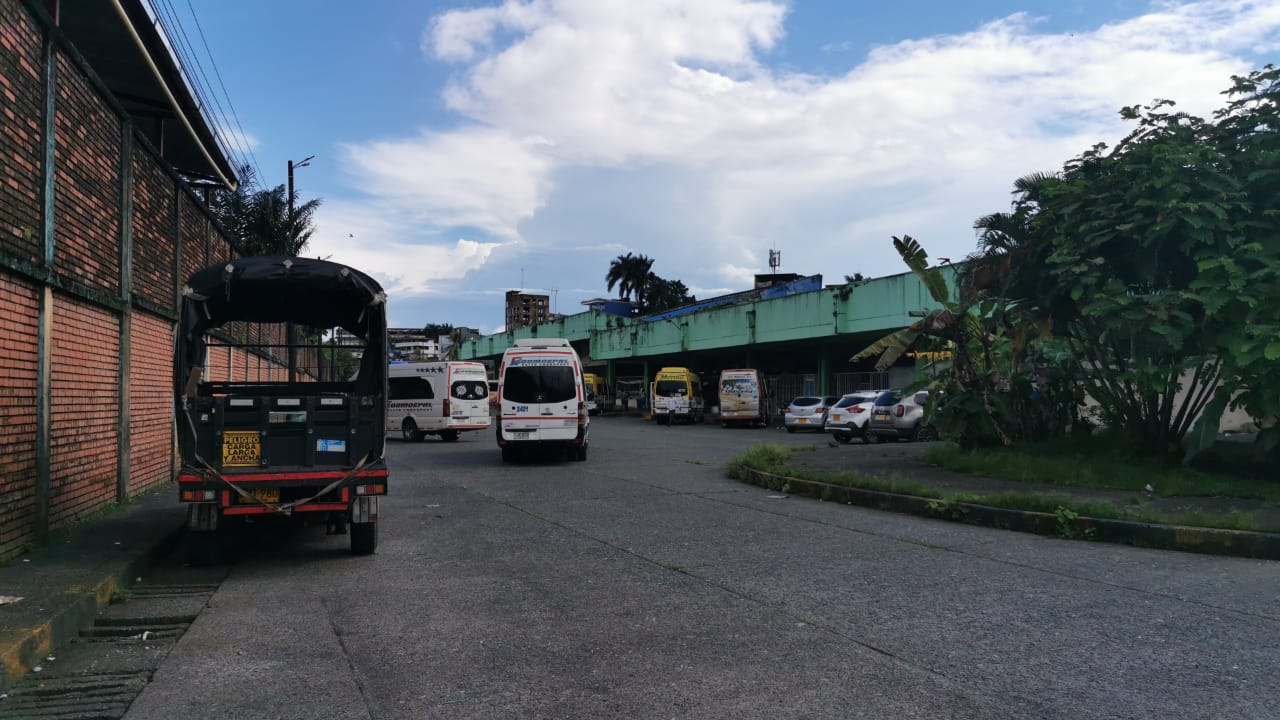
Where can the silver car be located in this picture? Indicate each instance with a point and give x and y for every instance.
(897, 417)
(848, 418)
(807, 411)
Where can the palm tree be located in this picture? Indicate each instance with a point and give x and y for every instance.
(631, 274)
(259, 220)
(1007, 263)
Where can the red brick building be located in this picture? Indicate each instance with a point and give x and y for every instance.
(99, 137)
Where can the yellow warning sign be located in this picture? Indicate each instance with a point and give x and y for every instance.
(241, 448)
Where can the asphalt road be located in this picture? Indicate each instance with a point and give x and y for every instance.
(645, 584)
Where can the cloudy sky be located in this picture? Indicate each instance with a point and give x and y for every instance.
(463, 149)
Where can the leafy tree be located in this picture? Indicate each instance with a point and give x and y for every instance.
(1157, 263)
(436, 330)
(338, 362)
(457, 336)
(1126, 229)
(665, 294)
(630, 273)
(1248, 132)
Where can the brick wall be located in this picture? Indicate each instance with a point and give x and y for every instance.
(153, 246)
(21, 146)
(18, 333)
(150, 401)
(86, 192)
(194, 237)
(84, 345)
(85, 409)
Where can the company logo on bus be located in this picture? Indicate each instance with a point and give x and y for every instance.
(539, 362)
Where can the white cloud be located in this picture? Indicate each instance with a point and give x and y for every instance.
(921, 138)
(374, 239)
(237, 139)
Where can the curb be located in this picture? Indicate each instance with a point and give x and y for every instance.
(27, 648)
(1211, 541)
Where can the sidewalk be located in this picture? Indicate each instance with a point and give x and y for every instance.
(61, 585)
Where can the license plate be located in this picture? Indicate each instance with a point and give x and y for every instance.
(882, 416)
(801, 421)
(835, 418)
(241, 448)
(268, 495)
(521, 435)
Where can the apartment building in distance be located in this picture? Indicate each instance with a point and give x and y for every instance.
(524, 309)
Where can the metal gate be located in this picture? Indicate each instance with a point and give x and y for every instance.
(857, 381)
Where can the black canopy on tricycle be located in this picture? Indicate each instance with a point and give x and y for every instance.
(279, 289)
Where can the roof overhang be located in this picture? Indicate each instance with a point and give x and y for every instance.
(125, 48)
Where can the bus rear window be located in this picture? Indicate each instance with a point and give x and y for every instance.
(539, 384)
(469, 389)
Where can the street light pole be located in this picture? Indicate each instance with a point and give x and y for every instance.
(289, 329)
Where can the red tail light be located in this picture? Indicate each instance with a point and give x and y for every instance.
(582, 413)
(857, 409)
(446, 407)
(819, 409)
(900, 411)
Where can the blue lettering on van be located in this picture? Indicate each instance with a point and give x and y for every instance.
(539, 362)
(522, 408)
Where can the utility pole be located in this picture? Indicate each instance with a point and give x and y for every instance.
(289, 328)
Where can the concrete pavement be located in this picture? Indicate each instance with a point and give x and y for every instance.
(55, 590)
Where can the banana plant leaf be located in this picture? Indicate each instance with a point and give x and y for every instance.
(890, 347)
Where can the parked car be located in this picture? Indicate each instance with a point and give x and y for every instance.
(847, 419)
(895, 416)
(807, 411)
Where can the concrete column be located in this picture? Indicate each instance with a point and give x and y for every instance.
(44, 337)
(644, 388)
(824, 370)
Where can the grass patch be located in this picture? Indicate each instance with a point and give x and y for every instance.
(1053, 504)
(765, 457)
(1099, 465)
(775, 459)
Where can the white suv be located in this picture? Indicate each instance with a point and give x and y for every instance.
(848, 418)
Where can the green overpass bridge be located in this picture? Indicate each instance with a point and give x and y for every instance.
(808, 334)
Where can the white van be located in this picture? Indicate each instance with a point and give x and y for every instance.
(437, 398)
(541, 399)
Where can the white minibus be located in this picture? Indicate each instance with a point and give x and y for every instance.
(541, 399)
(437, 398)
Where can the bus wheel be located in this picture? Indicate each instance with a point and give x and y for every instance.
(409, 431)
(449, 435)
(508, 454)
(364, 538)
(581, 452)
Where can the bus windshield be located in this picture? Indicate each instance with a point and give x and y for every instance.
(667, 388)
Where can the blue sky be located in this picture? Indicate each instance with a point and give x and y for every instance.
(463, 149)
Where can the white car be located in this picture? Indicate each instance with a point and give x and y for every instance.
(807, 411)
(847, 419)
